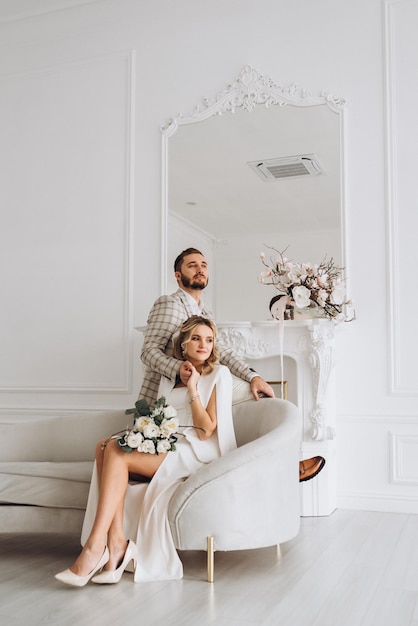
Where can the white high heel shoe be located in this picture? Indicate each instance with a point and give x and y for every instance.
(69, 578)
(113, 576)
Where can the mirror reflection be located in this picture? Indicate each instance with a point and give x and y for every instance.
(244, 180)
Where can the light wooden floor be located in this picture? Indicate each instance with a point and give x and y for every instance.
(349, 569)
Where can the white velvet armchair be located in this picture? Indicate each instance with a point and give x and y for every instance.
(247, 499)
(250, 497)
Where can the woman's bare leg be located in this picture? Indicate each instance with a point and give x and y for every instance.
(116, 541)
(114, 467)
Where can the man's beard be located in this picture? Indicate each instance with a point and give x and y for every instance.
(192, 284)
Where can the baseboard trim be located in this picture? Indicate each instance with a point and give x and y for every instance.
(378, 502)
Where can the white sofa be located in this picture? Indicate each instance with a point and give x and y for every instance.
(46, 465)
(45, 469)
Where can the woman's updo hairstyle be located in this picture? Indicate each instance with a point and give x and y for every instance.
(185, 334)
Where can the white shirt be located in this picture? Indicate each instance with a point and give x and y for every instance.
(197, 308)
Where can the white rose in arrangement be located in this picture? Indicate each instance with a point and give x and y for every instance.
(301, 296)
(163, 446)
(151, 430)
(169, 411)
(168, 427)
(134, 439)
(147, 446)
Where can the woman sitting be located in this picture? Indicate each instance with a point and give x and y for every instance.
(203, 404)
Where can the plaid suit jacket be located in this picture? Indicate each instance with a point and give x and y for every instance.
(164, 321)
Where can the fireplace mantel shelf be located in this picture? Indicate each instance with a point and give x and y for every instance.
(310, 343)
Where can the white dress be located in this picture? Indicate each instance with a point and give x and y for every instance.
(146, 504)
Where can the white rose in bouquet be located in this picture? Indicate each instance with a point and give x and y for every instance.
(147, 446)
(151, 431)
(163, 446)
(169, 411)
(169, 427)
(134, 439)
(141, 422)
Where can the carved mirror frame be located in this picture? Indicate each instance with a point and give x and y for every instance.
(249, 90)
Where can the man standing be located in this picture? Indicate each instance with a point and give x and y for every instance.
(168, 314)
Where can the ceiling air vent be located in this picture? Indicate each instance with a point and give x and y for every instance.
(287, 167)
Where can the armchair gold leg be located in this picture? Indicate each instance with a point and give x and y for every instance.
(210, 558)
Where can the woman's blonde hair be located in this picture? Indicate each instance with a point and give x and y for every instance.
(186, 332)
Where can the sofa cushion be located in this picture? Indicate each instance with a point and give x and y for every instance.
(71, 437)
(61, 485)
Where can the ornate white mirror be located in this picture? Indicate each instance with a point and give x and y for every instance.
(259, 165)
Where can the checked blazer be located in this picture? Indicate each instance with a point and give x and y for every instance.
(164, 321)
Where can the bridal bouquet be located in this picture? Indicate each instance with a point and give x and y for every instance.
(307, 285)
(153, 431)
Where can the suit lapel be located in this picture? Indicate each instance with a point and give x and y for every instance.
(185, 302)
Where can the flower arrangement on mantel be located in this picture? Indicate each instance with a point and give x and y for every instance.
(305, 285)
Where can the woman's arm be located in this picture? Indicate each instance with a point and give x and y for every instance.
(204, 419)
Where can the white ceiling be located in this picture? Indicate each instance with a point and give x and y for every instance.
(208, 167)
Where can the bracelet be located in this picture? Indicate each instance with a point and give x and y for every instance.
(194, 398)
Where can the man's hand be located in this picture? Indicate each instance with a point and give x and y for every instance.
(259, 386)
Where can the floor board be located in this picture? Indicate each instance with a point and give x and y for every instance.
(352, 568)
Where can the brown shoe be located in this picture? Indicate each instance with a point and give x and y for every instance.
(309, 468)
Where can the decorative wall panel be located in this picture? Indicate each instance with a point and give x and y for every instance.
(404, 459)
(67, 293)
(402, 165)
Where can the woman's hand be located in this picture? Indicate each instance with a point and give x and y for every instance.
(193, 377)
(185, 372)
(204, 419)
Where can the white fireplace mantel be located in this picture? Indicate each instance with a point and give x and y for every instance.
(310, 344)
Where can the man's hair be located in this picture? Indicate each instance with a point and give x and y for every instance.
(179, 260)
(185, 334)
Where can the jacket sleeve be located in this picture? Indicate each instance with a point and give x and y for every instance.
(236, 365)
(164, 321)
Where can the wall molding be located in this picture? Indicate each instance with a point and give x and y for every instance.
(11, 15)
(124, 384)
(383, 502)
(378, 419)
(403, 448)
(26, 415)
(397, 386)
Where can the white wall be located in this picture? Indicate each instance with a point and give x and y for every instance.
(83, 93)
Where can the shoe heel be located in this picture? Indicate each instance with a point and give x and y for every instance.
(114, 576)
